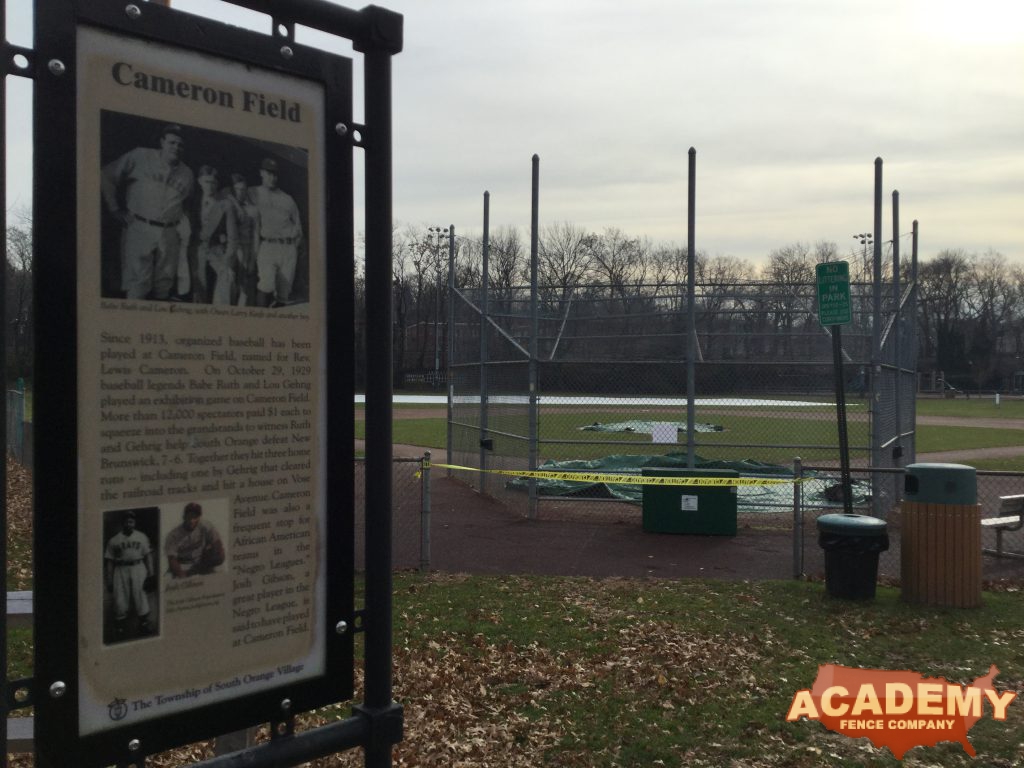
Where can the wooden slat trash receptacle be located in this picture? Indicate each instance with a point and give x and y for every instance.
(940, 540)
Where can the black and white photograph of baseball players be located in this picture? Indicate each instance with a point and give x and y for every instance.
(200, 216)
(194, 547)
(131, 585)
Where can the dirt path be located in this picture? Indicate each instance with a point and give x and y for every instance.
(966, 456)
(938, 421)
(410, 451)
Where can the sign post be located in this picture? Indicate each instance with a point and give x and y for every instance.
(834, 310)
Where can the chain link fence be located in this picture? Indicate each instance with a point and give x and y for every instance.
(19, 430)
(594, 373)
(808, 558)
(410, 510)
(490, 373)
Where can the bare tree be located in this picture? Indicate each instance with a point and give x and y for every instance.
(719, 296)
(667, 268)
(507, 266)
(409, 273)
(992, 300)
(565, 257)
(19, 285)
(616, 260)
(790, 274)
(944, 283)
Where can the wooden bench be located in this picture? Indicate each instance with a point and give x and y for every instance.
(1011, 518)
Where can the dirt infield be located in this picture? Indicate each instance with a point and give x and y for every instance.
(475, 534)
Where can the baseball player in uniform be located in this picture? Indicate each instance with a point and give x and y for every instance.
(155, 184)
(280, 232)
(247, 217)
(218, 239)
(194, 548)
(128, 565)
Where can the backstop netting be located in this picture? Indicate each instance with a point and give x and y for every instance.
(600, 374)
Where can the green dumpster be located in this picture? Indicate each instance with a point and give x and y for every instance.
(700, 509)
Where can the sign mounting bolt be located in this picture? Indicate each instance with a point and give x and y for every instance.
(58, 689)
(133, 11)
(287, 52)
(341, 627)
(56, 67)
(133, 745)
(341, 129)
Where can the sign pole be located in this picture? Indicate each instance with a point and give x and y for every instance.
(834, 309)
(844, 443)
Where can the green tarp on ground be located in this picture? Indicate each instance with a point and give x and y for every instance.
(647, 427)
(818, 493)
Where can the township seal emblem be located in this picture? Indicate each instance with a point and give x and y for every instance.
(118, 709)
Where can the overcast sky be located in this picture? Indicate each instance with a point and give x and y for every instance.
(787, 102)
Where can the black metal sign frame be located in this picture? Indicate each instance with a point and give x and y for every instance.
(377, 725)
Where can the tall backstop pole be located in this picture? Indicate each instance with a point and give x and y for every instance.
(876, 346)
(484, 291)
(897, 329)
(534, 435)
(691, 310)
(449, 381)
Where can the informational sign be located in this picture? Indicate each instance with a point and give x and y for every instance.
(206, 590)
(834, 307)
(200, 380)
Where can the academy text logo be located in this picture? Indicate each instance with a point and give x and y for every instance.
(898, 710)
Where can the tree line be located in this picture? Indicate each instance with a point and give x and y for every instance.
(970, 307)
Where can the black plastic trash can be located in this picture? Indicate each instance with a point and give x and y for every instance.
(852, 544)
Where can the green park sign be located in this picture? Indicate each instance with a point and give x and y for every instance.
(834, 293)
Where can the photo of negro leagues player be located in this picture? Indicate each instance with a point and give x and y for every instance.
(193, 548)
(279, 228)
(145, 190)
(129, 575)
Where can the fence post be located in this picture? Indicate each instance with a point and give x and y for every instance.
(449, 374)
(484, 288)
(425, 512)
(798, 519)
(691, 310)
(534, 431)
(897, 450)
(874, 409)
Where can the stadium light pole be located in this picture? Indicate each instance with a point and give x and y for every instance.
(865, 239)
(436, 233)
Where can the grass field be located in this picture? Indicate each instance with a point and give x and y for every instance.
(576, 672)
(740, 427)
(528, 671)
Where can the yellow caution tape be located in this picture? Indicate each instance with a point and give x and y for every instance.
(609, 477)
